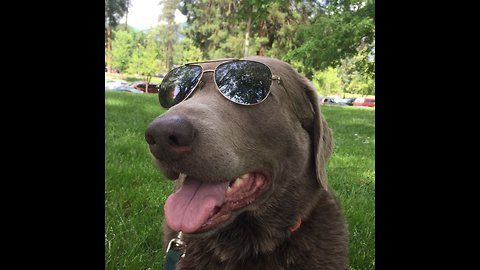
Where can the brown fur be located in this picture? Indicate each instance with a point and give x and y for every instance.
(287, 137)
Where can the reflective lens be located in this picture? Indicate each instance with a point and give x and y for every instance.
(244, 82)
(178, 84)
(241, 81)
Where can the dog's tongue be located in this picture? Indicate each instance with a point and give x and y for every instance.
(189, 208)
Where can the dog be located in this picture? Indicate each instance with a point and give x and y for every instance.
(251, 189)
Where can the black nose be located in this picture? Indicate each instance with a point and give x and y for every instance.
(170, 137)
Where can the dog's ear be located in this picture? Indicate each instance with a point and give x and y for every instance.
(321, 135)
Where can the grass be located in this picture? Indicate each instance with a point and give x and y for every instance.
(135, 191)
(351, 172)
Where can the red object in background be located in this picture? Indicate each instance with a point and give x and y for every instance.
(152, 88)
(366, 102)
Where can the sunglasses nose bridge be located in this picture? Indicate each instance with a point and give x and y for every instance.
(202, 79)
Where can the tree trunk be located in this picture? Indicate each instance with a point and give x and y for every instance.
(147, 84)
(109, 49)
(168, 56)
(247, 35)
(126, 21)
(262, 33)
(170, 40)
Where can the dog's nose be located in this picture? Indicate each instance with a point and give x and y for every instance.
(170, 137)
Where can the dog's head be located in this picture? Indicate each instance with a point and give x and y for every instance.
(230, 159)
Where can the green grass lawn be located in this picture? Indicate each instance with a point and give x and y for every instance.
(135, 191)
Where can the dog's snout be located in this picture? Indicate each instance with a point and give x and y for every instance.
(170, 137)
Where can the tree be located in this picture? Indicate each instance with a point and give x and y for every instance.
(327, 82)
(144, 60)
(128, 5)
(336, 32)
(274, 22)
(353, 79)
(170, 32)
(232, 28)
(314, 36)
(114, 10)
(122, 49)
(212, 27)
(189, 52)
(256, 12)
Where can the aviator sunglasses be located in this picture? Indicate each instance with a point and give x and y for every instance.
(243, 82)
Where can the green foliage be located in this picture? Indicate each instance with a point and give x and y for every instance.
(344, 80)
(139, 37)
(356, 76)
(122, 49)
(145, 59)
(335, 33)
(189, 53)
(313, 36)
(327, 82)
(220, 28)
(213, 29)
(114, 11)
(170, 30)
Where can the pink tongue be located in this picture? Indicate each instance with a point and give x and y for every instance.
(189, 208)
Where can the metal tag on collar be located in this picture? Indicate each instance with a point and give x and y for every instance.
(177, 243)
(175, 251)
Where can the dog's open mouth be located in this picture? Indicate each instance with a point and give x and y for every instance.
(200, 206)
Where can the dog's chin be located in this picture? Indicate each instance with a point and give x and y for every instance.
(167, 171)
(200, 208)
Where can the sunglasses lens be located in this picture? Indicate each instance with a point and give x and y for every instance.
(178, 84)
(244, 82)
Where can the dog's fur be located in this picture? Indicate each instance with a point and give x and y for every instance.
(287, 138)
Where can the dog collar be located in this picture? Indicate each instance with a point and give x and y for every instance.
(175, 251)
(176, 247)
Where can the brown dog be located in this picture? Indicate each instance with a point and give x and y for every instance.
(251, 189)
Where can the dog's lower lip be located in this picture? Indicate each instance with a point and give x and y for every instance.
(252, 184)
(199, 205)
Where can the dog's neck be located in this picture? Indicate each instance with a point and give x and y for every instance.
(259, 236)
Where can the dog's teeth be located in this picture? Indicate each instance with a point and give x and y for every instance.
(245, 176)
(235, 185)
(182, 176)
(238, 182)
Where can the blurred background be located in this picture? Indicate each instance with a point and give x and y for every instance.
(330, 42)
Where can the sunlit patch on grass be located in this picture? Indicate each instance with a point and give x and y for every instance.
(114, 102)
